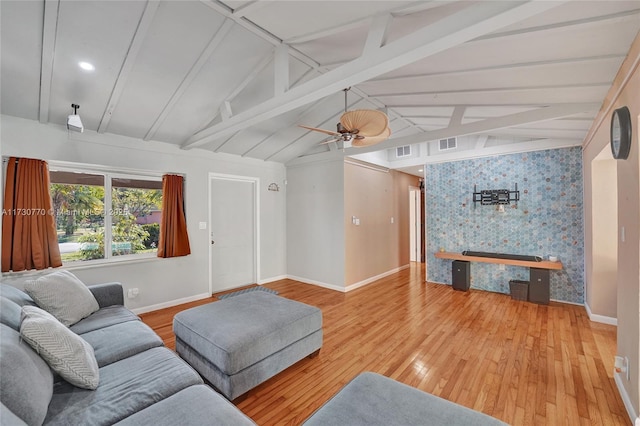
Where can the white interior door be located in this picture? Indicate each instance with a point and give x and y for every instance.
(233, 232)
(415, 230)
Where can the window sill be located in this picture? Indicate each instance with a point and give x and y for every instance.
(89, 264)
(118, 260)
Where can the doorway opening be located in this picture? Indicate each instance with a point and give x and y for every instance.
(601, 293)
(416, 225)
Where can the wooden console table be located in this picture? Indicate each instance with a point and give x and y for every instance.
(545, 264)
(539, 278)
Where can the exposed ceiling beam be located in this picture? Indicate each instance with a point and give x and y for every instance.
(561, 25)
(478, 19)
(249, 7)
(457, 116)
(257, 30)
(324, 124)
(418, 77)
(300, 118)
(49, 31)
(515, 132)
(481, 141)
(134, 48)
(326, 32)
(491, 90)
(533, 116)
(225, 110)
(359, 22)
(281, 70)
(215, 41)
(377, 33)
(266, 60)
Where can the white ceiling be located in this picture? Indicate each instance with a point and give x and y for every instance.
(239, 76)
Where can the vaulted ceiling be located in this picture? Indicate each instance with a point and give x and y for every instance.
(239, 76)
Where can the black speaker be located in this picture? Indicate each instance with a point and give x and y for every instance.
(539, 286)
(461, 275)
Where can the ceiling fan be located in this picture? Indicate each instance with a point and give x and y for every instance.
(361, 127)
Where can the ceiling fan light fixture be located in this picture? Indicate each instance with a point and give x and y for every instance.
(365, 122)
(358, 128)
(372, 140)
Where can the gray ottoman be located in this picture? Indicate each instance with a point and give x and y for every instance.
(371, 399)
(239, 342)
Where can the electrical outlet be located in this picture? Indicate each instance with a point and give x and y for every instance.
(132, 293)
(502, 267)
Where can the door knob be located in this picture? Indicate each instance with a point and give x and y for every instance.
(212, 242)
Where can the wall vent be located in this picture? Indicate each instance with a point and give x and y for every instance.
(403, 151)
(449, 143)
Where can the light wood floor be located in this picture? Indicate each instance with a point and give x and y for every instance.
(517, 361)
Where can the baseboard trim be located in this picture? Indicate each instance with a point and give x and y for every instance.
(272, 279)
(318, 283)
(617, 377)
(600, 318)
(376, 278)
(169, 304)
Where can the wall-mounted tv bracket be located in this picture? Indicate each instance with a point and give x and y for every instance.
(491, 197)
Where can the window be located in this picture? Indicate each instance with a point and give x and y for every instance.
(403, 151)
(446, 144)
(104, 215)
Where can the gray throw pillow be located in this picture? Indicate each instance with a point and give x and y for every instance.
(63, 295)
(66, 353)
(26, 379)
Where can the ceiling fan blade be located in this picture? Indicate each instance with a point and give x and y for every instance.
(367, 122)
(315, 129)
(371, 140)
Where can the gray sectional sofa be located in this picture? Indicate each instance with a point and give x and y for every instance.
(140, 381)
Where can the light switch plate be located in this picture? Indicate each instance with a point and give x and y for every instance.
(203, 225)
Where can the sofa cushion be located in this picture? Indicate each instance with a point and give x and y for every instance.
(9, 418)
(16, 295)
(63, 295)
(371, 399)
(119, 341)
(26, 375)
(10, 313)
(237, 332)
(66, 352)
(193, 406)
(126, 387)
(105, 317)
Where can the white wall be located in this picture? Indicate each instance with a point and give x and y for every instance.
(315, 222)
(161, 281)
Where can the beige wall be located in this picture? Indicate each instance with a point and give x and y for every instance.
(374, 196)
(625, 91)
(602, 289)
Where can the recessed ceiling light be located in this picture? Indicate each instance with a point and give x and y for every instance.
(86, 66)
(420, 170)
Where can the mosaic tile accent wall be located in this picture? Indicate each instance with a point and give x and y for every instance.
(548, 219)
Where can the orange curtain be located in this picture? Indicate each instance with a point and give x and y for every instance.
(174, 240)
(29, 239)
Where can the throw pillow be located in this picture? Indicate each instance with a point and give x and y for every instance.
(66, 353)
(25, 378)
(63, 295)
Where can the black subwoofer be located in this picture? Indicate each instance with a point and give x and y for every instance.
(461, 275)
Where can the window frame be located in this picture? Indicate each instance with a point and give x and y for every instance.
(448, 141)
(406, 151)
(109, 173)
